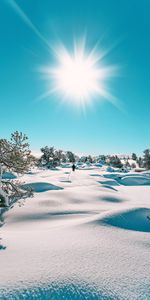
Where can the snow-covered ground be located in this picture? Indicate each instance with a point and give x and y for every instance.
(84, 235)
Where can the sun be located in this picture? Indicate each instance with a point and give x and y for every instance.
(76, 77)
(79, 76)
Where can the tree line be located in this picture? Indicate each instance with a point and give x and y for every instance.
(16, 156)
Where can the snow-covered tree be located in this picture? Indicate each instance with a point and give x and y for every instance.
(146, 159)
(59, 156)
(140, 162)
(47, 158)
(133, 165)
(115, 161)
(127, 164)
(51, 157)
(89, 159)
(134, 156)
(83, 159)
(63, 157)
(70, 156)
(15, 156)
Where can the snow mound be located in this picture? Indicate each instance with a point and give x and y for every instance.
(86, 167)
(98, 165)
(8, 175)
(135, 180)
(110, 169)
(132, 179)
(137, 219)
(45, 216)
(39, 187)
(95, 175)
(109, 187)
(109, 182)
(59, 290)
(113, 199)
(113, 176)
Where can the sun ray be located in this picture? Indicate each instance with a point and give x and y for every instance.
(27, 21)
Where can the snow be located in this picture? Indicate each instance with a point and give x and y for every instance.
(133, 219)
(40, 187)
(135, 180)
(84, 235)
(8, 175)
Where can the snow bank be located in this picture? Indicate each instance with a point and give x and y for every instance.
(135, 180)
(130, 179)
(133, 219)
(8, 175)
(39, 187)
(110, 182)
(110, 169)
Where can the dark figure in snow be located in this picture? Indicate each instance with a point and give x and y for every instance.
(73, 167)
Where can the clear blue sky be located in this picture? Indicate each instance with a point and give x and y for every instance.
(103, 128)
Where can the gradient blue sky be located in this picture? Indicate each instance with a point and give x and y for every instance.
(103, 128)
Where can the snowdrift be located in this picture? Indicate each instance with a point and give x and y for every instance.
(135, 180)
(131, 179)
(84, 240)
(8, 175)
(39, 187)
(109, 182)
(137, 219)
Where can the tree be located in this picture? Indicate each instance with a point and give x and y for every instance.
(133, 165)
(70, 156)
(89, 159)
(15, 156)
(47, 158)
(101, 159)
(64, 158)
(115, 161)
(58, 156)
(2, 199)
(83, 159)
(140, 162)
(146, 159)
(134, 156)
(127, 164)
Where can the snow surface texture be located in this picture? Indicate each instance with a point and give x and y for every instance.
(84, 235)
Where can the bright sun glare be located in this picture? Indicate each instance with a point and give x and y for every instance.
(79, 76)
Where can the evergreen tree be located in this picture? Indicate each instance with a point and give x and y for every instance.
(146, 159)
(140, 162)
(133, 165)
(58, 156)
(103, 158)
(89, 159)
(127, 164)
(134, 156)
(70, 156)
(15, 156)
(64, 157)
(48, 157)
(115, 161)
(83, 159)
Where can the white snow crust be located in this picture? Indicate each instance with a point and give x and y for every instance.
(84, 235)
